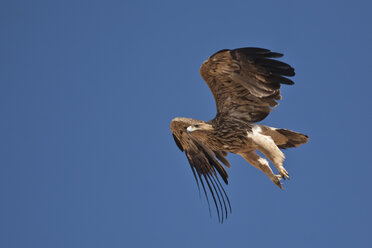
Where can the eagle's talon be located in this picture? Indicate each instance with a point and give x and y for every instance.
(276, 180)
(284, 174)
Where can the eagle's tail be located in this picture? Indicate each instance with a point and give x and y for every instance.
(285, 138)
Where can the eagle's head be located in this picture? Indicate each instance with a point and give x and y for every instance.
(200, 130)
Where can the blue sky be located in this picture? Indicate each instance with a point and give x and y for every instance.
(87, 93)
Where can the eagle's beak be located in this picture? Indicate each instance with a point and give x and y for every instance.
(189, 129)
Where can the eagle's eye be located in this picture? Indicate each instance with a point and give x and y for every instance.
(197, 125)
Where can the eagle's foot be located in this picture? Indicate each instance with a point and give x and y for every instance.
(276, 179)
(283, 173)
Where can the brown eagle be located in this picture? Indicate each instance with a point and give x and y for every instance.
(245, 83)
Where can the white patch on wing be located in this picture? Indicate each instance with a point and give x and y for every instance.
(266, 145)
(263, 161)
(257, 129)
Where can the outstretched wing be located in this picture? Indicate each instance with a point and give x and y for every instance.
(245, 82)
(204, 165)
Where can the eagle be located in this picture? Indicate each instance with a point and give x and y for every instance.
(245, 83)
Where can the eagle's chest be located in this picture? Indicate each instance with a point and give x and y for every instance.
(231, 138)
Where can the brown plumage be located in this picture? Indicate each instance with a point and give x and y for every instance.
(245, 83)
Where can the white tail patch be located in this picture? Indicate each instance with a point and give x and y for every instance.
(267, 146)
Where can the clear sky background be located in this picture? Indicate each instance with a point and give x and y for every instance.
(87, 93)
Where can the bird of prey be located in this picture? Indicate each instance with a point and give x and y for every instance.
(245, 83)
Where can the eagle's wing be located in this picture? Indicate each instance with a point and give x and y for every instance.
(204, 164)
(245, 82)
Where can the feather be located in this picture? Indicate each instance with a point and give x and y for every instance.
(214, 198)
(204, 165)
(248, 79)
(178, 143)
(221, 156)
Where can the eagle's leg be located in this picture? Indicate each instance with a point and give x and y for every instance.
(276, 156)
(262, 164)
(267, 146)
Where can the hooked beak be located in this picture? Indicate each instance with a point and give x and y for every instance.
(189, 129)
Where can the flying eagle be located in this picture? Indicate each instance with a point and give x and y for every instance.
(245, 83)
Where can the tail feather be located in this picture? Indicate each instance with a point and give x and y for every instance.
(285, 138)
(294, 139)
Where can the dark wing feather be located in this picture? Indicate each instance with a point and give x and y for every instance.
(221, 156)
(245, 82)
(204, 165)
